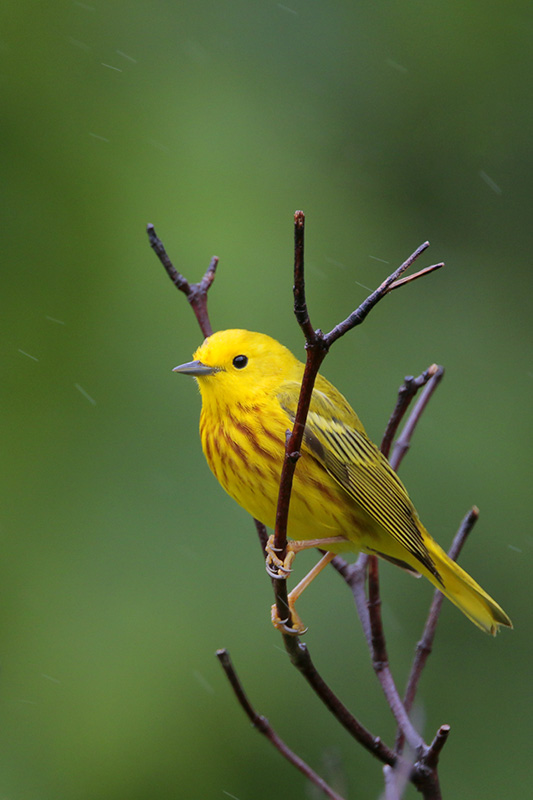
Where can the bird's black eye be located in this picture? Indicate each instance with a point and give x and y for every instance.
(240, 362)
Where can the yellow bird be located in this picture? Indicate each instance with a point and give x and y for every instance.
(344, 488)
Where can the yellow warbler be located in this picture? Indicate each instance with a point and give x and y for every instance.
(343, 485)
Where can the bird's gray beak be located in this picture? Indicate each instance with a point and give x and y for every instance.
(195, 368)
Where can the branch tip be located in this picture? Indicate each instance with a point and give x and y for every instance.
(431, 758)
(409, 278)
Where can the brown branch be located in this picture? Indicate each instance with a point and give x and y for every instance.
(360, 314)
(196, 293)
(301, 659)
(263, 726)
(300, 302)
(425, 769)
(420, 274)
(431, 759)
(404, 441)
(406, 392)
(424, 773)
(262, 535)
(425, 645)
(315, 355)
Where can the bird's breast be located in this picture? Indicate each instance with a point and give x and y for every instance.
(245, 453)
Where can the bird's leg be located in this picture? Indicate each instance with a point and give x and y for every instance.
(297, 628)
(281, 571)
(281, 568)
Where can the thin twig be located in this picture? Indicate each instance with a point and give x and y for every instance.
(359, 315)
(389, 778)
(196, 293)
(300, 302)
(424, 646)
(262, 724)
(400, 710)
(315, 355)
(404, 441)
(420, 274)
(431, 758)
(355, 577)
(262, 535)
(406, 392)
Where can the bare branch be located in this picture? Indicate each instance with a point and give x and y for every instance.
(404, 441)
(263, 726)
(317, 346)
(431, 760)
(406, 392)
(396, 779)
(420, 274)
(300, 303)
(360, 314)
(196, 293)
(262, 535)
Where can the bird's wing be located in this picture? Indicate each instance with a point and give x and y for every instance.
(336, 438)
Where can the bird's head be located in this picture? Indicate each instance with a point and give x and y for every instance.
(240, 366)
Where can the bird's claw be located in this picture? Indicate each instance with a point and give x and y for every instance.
(278, 573)
(276, 567)
(296, 628)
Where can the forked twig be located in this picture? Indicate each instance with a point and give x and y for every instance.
(406, 392)
(196, 293)
(404, 441)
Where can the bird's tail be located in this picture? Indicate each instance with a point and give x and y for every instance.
(461, 589)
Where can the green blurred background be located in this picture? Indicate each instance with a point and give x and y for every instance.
(124, 566)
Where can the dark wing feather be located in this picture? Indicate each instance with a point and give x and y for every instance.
(336, 438)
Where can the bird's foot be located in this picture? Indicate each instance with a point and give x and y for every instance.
(277, 567)
(292, 625)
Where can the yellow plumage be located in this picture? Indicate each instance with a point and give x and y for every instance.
(343, 485)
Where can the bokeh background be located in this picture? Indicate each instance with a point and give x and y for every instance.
(124, 566)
